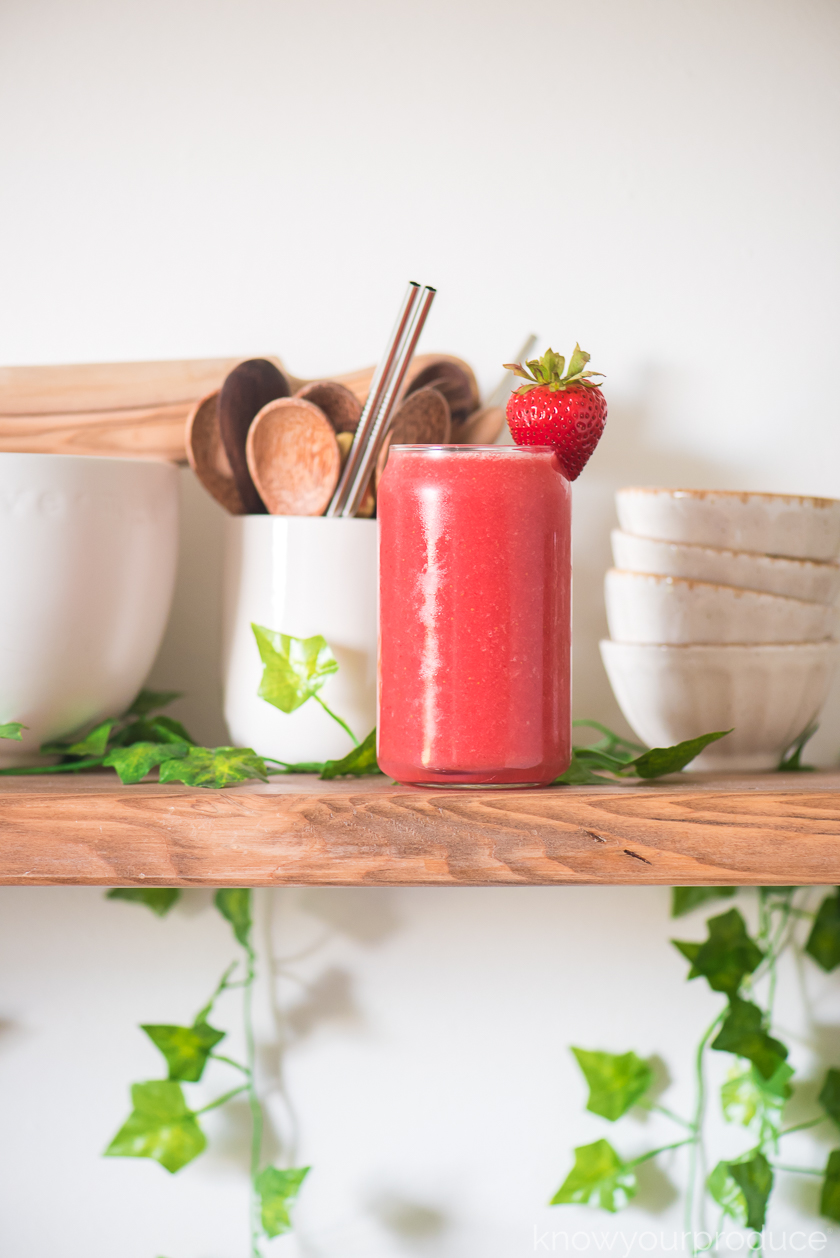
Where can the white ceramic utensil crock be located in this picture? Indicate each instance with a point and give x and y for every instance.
(794, 578)
(300, 575)
(766, 694)
(88, 550)
(645, 608)
(772, 524)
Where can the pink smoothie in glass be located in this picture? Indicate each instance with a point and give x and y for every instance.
(474, 615)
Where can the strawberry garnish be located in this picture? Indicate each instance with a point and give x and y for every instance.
(567, 411)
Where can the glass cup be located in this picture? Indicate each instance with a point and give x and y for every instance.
(474, 616)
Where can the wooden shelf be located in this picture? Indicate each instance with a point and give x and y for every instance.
(694, 828)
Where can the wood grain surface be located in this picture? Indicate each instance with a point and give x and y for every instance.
(65, 388)
(150, 432)
(695, 829)
(128, 410)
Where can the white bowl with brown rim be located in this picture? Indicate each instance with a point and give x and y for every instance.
(807, 579)
(766, 694)
(770, 524)
(644, 607)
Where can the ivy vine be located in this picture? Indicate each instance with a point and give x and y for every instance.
(744, 970)
(162, 1124)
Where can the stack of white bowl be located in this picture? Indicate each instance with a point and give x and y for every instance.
(721, 614)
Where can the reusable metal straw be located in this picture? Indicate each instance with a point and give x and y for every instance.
(378, 387)
(381, 421)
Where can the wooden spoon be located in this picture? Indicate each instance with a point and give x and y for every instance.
(423, 419)
(207, 455)
(293, 457)
(341, 407)
(482, 428)
(246, 390)
(452, 380)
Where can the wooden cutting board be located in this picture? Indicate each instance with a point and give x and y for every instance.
(137, 410)
(129, 410)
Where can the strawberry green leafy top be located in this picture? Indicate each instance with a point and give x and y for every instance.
(547, 372)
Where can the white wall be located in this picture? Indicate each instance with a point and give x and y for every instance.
(657, 180)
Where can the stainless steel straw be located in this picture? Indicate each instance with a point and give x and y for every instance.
(381, 420)
(378, 387)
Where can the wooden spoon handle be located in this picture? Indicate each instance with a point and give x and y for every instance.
(80, 387)
(483, 428)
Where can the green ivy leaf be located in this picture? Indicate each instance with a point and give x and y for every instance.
(616, 1082)
(830, 1196)
(186, 1048)
(301, 766)
(278, 1190)
(294, 669)
(359, 762)
(684, 899)
(661, 760)
(169, 730)
(829, 1097)
(92, 744)
(140, 731)
(725, 1191)
(727, 956)
(151, 701)
(160, 729)
(598, 758)
(747, 1093)
(615, 744)
(754, 1176)
(743, 1034)
(824, 940)
(580, 774)
(214, 767)
(159, 899)
(132, 763)
(161, 1126)
(614, 754)
(793, 762)
(742, 1188)
(234, 904)
(598, 1177)
(71, 766)
(12, 729)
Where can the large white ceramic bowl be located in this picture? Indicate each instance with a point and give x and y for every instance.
(766, 694)
(794, 578)
(642, 607)
(300, 575)
(772, 524)
(88, 550)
